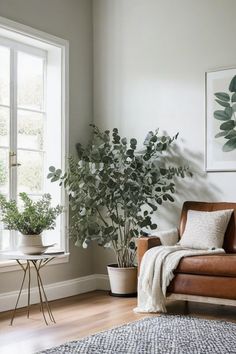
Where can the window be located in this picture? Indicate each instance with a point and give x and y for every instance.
(33, 119)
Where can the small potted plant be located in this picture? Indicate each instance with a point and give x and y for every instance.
(114, 191)
(31, 221)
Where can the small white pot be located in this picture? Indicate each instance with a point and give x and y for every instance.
(123, 281)
(31, 244)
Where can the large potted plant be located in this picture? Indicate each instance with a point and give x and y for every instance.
(114, 190)
(30, 220)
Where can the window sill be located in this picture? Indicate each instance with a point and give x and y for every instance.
(12, 266)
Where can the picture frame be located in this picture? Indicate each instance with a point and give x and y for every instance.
(220, 110)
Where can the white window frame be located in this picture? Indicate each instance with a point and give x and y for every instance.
(28, 39)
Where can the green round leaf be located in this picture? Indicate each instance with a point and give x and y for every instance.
(130, 153)
(54, 179)
(153, 139)
(153, 226)
(50, 175)
(164, 146)
(234, 107)
(221, 115)
(106, 159)
(168, 196)
(233, 98)
(231, 134)
(153, 206)
(230, 124)
(52, 169)
(223, 96)
(230, 145)
(133, 141)
(163, 139)
(229, 111)
(159, 147)
(222, 103)
(219, 135)
(232, 85)
(132, 245)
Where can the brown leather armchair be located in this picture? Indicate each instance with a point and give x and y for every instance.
(209, 278)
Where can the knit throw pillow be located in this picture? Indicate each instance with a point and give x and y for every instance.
(204, 229)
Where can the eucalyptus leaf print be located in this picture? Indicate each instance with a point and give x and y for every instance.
(226, 115)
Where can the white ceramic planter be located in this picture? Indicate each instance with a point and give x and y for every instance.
(31, 244)
(123, 281)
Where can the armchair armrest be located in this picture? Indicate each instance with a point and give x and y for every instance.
(144, 244)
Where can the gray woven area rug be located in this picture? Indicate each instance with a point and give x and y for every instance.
(163, 334)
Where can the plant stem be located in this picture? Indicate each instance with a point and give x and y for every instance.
(101, 217)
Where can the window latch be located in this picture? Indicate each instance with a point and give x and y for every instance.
(13, 160)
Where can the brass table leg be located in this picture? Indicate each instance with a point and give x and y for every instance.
(43, 301)
(29, 283)
(23, 280)
(42, 294)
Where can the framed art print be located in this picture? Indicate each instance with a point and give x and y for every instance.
(221, 120)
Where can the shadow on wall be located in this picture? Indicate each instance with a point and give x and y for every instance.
(196, 188)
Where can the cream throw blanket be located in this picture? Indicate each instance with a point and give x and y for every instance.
(157, 271)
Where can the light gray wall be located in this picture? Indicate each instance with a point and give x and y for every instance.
(71, 20)
(150, 57)
(149, 62)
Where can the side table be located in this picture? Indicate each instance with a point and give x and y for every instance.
(37, 262)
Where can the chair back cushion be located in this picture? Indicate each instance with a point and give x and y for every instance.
(229, 244)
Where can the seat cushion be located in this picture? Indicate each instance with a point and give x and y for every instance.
(203, 285)
(215, 265)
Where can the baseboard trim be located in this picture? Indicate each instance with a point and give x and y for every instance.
(101, 282)
(57, 290)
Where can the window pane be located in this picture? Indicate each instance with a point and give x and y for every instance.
(4, 75)
(4, 171)
(30, 173)
(4, 126)
(30, 81)
(30, 130)
(4, 239)
(53, 236)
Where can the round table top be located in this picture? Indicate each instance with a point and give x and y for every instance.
(17, 255)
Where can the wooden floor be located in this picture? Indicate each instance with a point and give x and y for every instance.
(82, 315)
